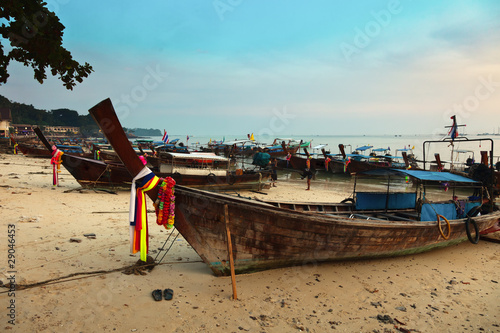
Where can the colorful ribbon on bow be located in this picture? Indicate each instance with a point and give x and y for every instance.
(138, 212)
(56, 161)
(346, 163)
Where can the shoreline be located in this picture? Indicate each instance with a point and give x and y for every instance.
(451, 289)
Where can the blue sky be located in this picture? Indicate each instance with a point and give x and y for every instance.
(280, 67)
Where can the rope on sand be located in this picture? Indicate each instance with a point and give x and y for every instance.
(138, 269)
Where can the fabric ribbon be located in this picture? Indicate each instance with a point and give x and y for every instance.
(138, 216)
(346, 163)
(56, 161)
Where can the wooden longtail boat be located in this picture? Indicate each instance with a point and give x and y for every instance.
(485, 171)
(90, 173)
(327, 162)
(33, 150)
(357, 163)
(266, 235)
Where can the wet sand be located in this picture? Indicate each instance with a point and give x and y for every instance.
(455, 289)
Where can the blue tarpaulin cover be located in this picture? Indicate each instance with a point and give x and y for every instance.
(437, 176)
(449, 210)
(363, 148)
(423, 175)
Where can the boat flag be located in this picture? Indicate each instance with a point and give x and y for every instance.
(252, 138)
(187, 138)
(165, 136)
(454, 128)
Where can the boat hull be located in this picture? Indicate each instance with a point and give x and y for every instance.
(265, 237)
(299, 163)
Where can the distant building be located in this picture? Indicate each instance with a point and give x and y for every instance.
(23, 129)
(61, 129)
(5, 120)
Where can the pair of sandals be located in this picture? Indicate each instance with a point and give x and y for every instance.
(167, 294)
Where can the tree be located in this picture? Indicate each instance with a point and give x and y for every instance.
(64, 117)
(35, 35)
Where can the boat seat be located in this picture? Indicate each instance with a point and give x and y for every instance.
(366, 217)
(413, 216)
(395, 217)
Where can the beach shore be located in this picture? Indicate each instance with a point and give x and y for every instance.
(455, 289)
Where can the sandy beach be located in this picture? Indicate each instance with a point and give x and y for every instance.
(455, 289)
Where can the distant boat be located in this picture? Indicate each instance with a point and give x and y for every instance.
(356, 162)
(33, 150)
(90, 173)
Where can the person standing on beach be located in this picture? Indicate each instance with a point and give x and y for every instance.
(274, 171)
(308, 173)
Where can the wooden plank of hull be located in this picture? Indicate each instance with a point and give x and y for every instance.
(336, 167)
(32, 151)
(92, 173)
(360, 166)
(268, 237)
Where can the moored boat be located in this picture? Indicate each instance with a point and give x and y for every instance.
(90, 173)
(34, 150)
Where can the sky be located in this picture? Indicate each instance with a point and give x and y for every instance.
(283, 67)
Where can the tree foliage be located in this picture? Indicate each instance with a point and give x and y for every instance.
(35, 36)
(28, 114)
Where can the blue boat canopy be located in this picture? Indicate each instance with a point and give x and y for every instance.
(437, 176)
(424, 175)
(363, 148)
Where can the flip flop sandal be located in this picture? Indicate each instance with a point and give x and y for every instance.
(168, 294)
(157, 294)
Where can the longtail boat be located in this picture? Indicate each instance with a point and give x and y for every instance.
(90, 173)
(34, 150)
(327, 162)
(270, 235)
(356, 162)
(485, 170)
